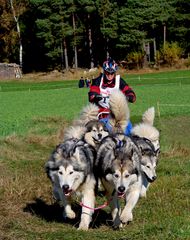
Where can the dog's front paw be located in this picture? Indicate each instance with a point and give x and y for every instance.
(126, 217)
(143, 192)
(83, 227)
(69, 214)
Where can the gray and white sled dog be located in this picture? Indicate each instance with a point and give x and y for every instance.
(118, 167)
(118, 163)
(87, 127)
(146, 136)
(145, 129)
(144, 143)
(70, 166)
(70, 169)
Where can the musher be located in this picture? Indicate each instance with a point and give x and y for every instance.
(102, 87)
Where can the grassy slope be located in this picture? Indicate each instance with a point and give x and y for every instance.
(27, 208)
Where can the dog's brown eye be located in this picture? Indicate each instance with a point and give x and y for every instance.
(116, 175)
(126, 175)
(148, 166)
(60, 173)
(94, 130)
(71, 172)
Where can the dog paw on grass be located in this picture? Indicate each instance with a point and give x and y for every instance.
(126, 217)
(69, 213)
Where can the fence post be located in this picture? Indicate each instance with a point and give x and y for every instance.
(158, 109)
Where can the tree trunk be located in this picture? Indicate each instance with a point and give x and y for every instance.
(164, 36)
(90, 44)
(75, 47)
(19, 34)
(65, 54)
(154, 43)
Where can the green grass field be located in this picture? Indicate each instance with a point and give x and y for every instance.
(32, 119)
(22, 103)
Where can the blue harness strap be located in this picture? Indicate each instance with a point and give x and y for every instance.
(128, 128)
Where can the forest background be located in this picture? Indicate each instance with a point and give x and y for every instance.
(44, 35)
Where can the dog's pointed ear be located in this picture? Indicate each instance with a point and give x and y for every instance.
(49, 167)
(157, 155)
(157, 152)
(76, 153)
(59, 149)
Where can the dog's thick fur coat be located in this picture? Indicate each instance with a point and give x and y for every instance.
(118, 167)
(70, 169)
(146, 137)
(145, 129)
(119, 111)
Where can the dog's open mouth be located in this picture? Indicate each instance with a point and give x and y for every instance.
(120, 194)
(150, 180)
(67, 192)
(96, 140)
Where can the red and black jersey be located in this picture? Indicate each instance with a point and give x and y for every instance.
(123, 86)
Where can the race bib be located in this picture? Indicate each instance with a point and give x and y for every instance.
(104, 102)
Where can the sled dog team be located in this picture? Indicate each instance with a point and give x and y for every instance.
(90, 157)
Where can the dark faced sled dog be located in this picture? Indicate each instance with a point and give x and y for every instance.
(118, 163)
(118, 167)
(146, 136)
(70, 169)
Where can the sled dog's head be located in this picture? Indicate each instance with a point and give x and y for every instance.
(69, 165)
(149, 157)
(95, 132)
(119, 163)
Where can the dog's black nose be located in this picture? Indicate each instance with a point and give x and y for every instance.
(65, 187)
(121, 189)
(154, 178)
(99, 135)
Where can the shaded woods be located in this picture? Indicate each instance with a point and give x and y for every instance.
(45, 35)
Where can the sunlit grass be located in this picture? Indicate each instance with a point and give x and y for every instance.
(19, 109)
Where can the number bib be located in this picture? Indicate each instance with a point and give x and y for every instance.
(105, 92)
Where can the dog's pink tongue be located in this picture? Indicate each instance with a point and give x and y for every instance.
(121, 194)
(67, 192)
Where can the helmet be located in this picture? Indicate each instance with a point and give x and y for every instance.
(110, 66)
